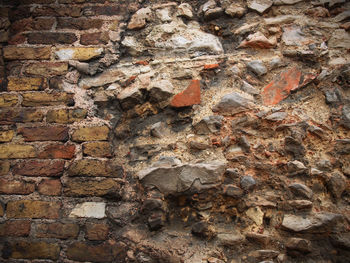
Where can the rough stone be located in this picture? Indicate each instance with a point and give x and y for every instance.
(342, 146)
(276, 116)
(185, 10)
(235, 10)
(230, 239)
(255, 214)
(298, 245)
(209, 124)
(160, 90)
(337, 184)
(248, 182)
(93, 168)
(339, 39)
(233, 103)
(301, 190)
(259, 40)
(203, 230)
(138, 20)
(257, 66)
(259, 5)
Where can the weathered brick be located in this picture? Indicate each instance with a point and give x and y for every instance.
(22, 53)
(99, 38)
(91, 187)
(78, 53)
(8, 100)
(46, 68)
(10, 116)
(78, 23)
(50, 187)
(44, 133)
(33, 209)
(57, 230)
(24, 84)
(94, 167)
(29, 2)
(57, 151)
(66, 115)
(97, 149)
(16, 151)
(107, 10)
(31, 250)
(106, 252)
(15, 228)
(17, 39)
(16, 187)
(30, 24)
(39, 168)
(4, 167)
(6, 136)
(95, 231)
(57, 10)
(37, 99)
(94, 133)
(50, 38)
(1, 210)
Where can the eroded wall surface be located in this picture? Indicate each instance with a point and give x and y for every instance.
(184, 131)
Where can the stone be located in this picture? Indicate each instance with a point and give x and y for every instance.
(258, 40)
(276, 116)
(315, 223)
(295, 244)
(235, 10)
(185, 10)
(346, 116)
(209, 124)
(342, 16)
(92, 133)
(89, 210)
(96, 231)
(230, 239)
(341, 240)
(160, 90)
(233, 191)
(294, 147)
(301, 190)
(129, 97)
(78, 53)
(247, 88)
(279, 20)
(156, 220)
(97, 149)
(33, 209)
(233, 103)
(190, 96)
(91, 187)
(263, 254)
(286, 2)
(123, 214)
(342, 146)
(339, 39)
(255, 214)
(203, 230)
(134, 47)
(198, 144)
(300, 204)
(94, 168)
(57, 230)
(16, 151)
(8, 100)
(158, 130)
(64, 116)
(164, 14)
(26, 53)
(24, 84)
(248, 183)
(257, 66)
(44, 133)
(31, 250)
(6, 136)
(296, 168)
(46, 69)
(263, 239)
(50, 187)
(15, 228)
(293, 36)
(139, 19)
(259, 5)
(337, 184)
(16, 187)
(37, 99)
(180, 178)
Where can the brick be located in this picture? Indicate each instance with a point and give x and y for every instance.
(46, 69)
(6, 136)
(50, 38)
(37, 99)
(33, 209)
(97, 231)
(16, 151)
(97, 149)
(16, 187)
(78, 53)
(44, 133)
(1, 210)
(31, 250)
(57, 151)
(94, 167)
(39, 168)
(57, 10)
(91, 187)
(29, 2)
(24, 84)
(66, 115)
(4, 167)
(106, 252)
(107, 10)
(50, 187)
(57, 230)
(190, 96)
(30, 24)
(17, 39)
(11, 116)
(15, 228)
(99, 38)
(94, 133)
(24, 53)
(78, 23)
(8, 100)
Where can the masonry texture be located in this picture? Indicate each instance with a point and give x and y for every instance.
(186, 131)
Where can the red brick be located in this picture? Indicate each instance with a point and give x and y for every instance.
(78, 23)
(31, 250)
(50, 187)
(11, 116)
(211, 66)
(17, 39)
(37, 99)
(107, 10)
(57, 230)
(15, 228)
(50, 38)
(39, 168)
(57, 10)
(57, 151)
(33, 209)
(30, 24)
(189, 97)
(97, 231)
(44, 133)
(16, 187)
(99, 38)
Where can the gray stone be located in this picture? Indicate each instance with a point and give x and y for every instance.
(300, 204)
(298, 244)
(134, 46)
(229, 239)
(248, 182)
(293, 36)
(333, 97)
(339, 39)
(257, 66)
(314, 223)
(246, 87)
(301, 190)
(122, 214)
(296, 168)
(167, 161)
(294, 147)
(233, 191)
(346, 116)
(342, 16)
(157, 130)
(160, 90)
(276, 63)
(233, 103)
(263, 239)
(286, 2)
(235, 10)
(337, 184)
(203, 229)
(213, 13)
(276, 116)
(259, 5)
(342, 146)
(209, 124)
(279, 20)
(185, 10)
(178, 179)
(130, 97)
(263, 254)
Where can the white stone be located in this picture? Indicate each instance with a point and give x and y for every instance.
(89, 209)
(259, 5)
(185, 10)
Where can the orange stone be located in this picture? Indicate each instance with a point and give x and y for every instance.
(211, 66)
(188, 97)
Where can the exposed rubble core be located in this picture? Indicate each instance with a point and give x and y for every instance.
(186, 131)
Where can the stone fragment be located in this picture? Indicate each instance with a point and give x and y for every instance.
(157, 130)
(246, 87)
(342, 146)
(255, 214)
(235, 10)
(339, 39)
(346, 116)
(259, 5)
(293, 36)
(39, 168)
(92, 133)
(33, 209)
(296, 168)
(258, 40)
(81, 186)
(89, 209)
(198, 144)
(276, 116)
(78, 53)
(164, 14)
(138, 20)
(17, 151)
(156, 220)
(295, 245)
(209, 124)
(263, 254)
(233, 191)
(337, 184)
(26, 53)
(286, 2)
(123, 214)
(135, 48)
(300, 204)
(57, 230)
(314, 223)
(248, 182)
(263, 239)
(31, 250)
(233, 103)
(318, 12)
(342, 16)
(294, 147)
(190, 96)
(279, 20)
(257, 66)
(180, 178)
(301, 190)
(129, 97)
(185, 10)
(160, 90)
(230, 239)
(341, 240)
(203, 230)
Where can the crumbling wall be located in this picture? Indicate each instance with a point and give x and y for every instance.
(184, 131)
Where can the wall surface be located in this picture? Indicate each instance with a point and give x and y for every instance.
(185, 131)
